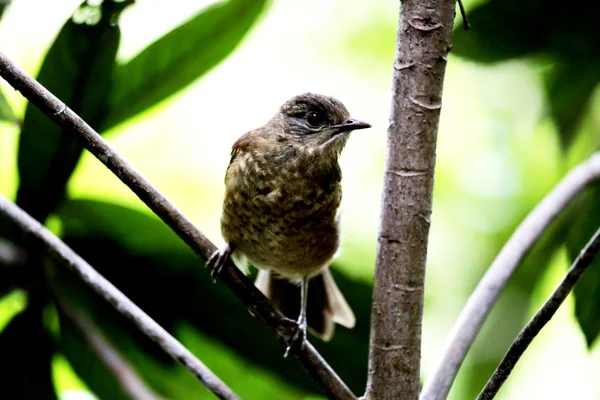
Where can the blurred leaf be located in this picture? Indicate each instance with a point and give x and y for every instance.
(501, 30)
(570, 87)
(584, 222)
(3, 5)
(505, 29)
(159, 372)
(6, 113)
(565, 36)
(180, 57)
(26, 353)
(166, 279)
(78, 70)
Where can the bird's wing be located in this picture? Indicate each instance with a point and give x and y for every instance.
(238, 147)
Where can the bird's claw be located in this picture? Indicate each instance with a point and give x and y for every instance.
(296, 343)
(217, 262)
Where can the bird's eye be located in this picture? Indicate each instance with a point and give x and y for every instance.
(314, 119)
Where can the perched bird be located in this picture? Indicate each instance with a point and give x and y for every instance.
(280, 212)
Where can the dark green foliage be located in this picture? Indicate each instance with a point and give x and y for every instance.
(153, 267)
(586, 219)
(78, 70)
(570, 86)
(563, 35)
(26, 352)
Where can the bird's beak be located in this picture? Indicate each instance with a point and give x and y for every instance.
(351, 125)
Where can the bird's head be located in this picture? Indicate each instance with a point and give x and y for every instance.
(316, 123)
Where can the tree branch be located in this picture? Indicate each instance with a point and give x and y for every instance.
(486, 293)
(423, 42)
(535, 325)
(241, 286)
(65, 255)
(131, 383)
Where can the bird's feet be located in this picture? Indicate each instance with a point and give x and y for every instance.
(296, 343)
(217, 261)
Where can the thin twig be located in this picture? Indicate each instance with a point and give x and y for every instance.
(131, 383)
(422, 45)
(539, 320)
(65, 255)
(486, 293)
(463, 13)
(242, 287)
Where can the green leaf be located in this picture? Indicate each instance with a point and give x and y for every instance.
(145, 260)
(3, 5)
(180, 57)
(564, 37)
(570, 87)
(500, 31)
(585, 220)
(26, 353)
(6, 113)
(78, 70)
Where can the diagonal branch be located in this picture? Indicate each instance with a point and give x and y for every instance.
(63, 254)
(535, 325)
(241, 286)
(486, 293)
(131, 383)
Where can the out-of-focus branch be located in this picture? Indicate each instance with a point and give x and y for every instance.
(486, 293)
(541, 318)
(463, 13)
(63, 254)
(10, 254)
(422, 45)
(243, 288)
(131, 383)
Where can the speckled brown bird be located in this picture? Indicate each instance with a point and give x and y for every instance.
(280, 212)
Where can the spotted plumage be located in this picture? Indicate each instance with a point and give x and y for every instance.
(282, 194)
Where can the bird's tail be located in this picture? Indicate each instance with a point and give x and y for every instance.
(326, 304)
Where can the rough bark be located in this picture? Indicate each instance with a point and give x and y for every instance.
(422, 45)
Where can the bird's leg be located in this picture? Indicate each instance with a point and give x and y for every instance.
(217, 261)
(297, 340)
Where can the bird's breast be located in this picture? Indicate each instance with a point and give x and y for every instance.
(281, 218)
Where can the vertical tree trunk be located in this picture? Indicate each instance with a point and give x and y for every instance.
(422, 44)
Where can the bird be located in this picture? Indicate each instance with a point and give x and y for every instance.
(281, 211)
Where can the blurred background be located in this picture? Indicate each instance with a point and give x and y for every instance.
(518, 113)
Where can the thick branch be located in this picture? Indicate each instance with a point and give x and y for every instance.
(423, 43)
(541, 318)
(487, 291)
(63, 254)
(131, 383)
(243, 288)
